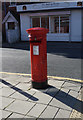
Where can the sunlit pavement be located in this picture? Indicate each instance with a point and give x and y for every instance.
(62, 99)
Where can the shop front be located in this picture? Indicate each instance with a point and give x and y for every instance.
(63, 24)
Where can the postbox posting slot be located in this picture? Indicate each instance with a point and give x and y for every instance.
(38, 39)
(35, 39)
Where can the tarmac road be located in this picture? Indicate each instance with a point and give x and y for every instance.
(63, 59)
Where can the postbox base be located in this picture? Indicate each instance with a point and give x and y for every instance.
(39, 85)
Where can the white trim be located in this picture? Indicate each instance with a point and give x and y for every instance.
(48, 6)
(69, 29)
(49, 13)
(59, 24)
(6, 17)
(57, 37)
(49, 24)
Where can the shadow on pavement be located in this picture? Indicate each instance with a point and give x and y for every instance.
(19, 90)
(65, 98)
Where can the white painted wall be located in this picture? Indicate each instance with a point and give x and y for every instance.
(76, 25)
(46, 6)
(82, 25)
(75, 28)
(10, 19)
(25, 24)
(57, 37)
(12, 35)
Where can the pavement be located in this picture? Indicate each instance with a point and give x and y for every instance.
(62, 99)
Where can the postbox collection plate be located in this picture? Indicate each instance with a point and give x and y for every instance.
(35, 49)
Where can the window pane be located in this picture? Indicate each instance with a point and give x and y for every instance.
(45, 22)
(56, 24)
(36, 22)
(64, 24)
(11, 25)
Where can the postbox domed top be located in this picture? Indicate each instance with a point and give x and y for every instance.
(37, 30)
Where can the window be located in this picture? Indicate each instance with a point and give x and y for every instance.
(11, 25)
(45, 22)
(36, 22)
(40, 22)
(56, 24)
(61, 24)
(64, 24)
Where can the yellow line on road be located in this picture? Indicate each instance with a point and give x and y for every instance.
(55, 77)
(63, 78)
(15, 73)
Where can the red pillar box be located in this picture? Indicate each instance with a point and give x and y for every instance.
(38, 53)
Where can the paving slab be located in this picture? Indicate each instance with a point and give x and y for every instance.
(4, 75)
(6, 102)
(9, 83)
(42, 98)
(66, 90)
(55, 83)
(7, 91)
(15, 115)
(23, 79)
(1, 92)
(52, 91)
(13, 83)
(24, 86)
(49, 112)
(0, 114)
(72, 86)
(5, 114)
(0, 85)
(63, 93)
(30, 117)
(73, 93)
(21, 107)
(11, 77)
(0, 102)
(63, 114)
(37, 110)
(75, 113)
(3, 85)
(59, 104)
(23, 95)
(39, 90)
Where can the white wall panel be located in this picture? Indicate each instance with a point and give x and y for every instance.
(25, 24)
(76, 25)
(57, 37)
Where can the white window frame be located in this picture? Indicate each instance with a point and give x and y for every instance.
(60, 23)
(31, 24)
(50, 23)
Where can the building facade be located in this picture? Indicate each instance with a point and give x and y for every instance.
(63, 19)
